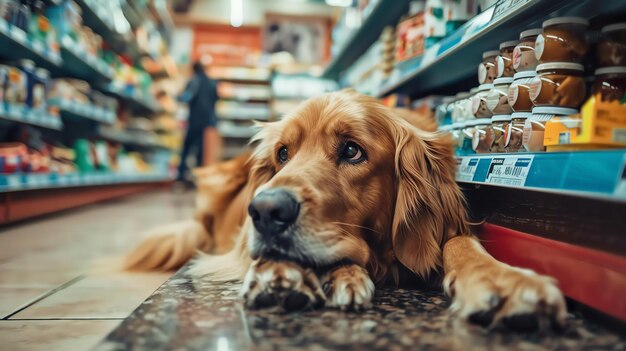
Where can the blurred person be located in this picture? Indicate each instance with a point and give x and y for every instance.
(201, 95)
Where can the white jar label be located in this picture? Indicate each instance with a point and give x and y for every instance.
(513, 93)
(517, 57)
(528, 130)
(507, 134)
(482, 73)
(539, 43)
(475, 104)
(534, 88)
(500, 66)
(475, 139)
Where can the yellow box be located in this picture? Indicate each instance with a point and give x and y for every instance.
(599, 125)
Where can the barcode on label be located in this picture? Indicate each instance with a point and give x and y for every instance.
(509, 170)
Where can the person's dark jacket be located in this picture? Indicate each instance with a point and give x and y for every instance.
(201, 96)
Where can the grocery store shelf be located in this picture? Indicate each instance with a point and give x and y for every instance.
(244, 80)
(456, 57)
(98, 23)
(15, 46)
(229, 130)
(77, 63)
(71, 109)
(592, 174)
(20, 182)
(385, 13)
(27, 116)
(136, 100)
(138, 138)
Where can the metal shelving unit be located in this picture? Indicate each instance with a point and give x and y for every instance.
(31, 181)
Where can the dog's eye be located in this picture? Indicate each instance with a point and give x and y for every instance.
(283, 154)
(351, 152)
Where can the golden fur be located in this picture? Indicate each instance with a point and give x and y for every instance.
(398, 208)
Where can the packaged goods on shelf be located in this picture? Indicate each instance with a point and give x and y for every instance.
(240, 73)
(243, 92)
(242, 110)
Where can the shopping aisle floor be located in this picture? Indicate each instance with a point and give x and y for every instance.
(59, 289)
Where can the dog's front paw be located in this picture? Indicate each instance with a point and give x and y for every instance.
(282, 284)
(348, 287)
(520, 299)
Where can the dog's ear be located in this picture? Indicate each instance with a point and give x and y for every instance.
(429, 205)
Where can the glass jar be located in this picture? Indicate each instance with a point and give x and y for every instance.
(564, 39)
(535, 126)
(514, 132)
(610, 84)
(524, 58)
(499, 124)
(441, 112)
(498, 97)
(504, 61)
(558, 84)
(519, 93)
(460, 112)
(479, 102)
(483, 137)
(611, 50)
(487, 69)
(466, 137)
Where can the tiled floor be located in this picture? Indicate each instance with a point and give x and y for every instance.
(59, 285)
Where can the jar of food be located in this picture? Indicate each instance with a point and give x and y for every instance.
(40, 89)
(558, 84)
(610, 84)
(564, 39)
(519, 93)
(504, 61)
(524, 58)
(483, 137)
(499, 124)
(611, 50)
(497, 99)
(442, 115)
(487, 69)
(14, 87)
(457, 137)
(467, 137)
(535, 126)
(28, 69)
(479, 102)
(514, 132)
(460, 112)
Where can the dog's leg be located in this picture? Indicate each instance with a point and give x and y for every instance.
(487, 292)
(348, 287)
(283, 284)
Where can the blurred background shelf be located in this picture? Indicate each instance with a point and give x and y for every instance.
(15, 45)
(591, 174)
(135, 138)
(96, 17)
(72, 109)
(30, 117)
(77, 63)
(135, 99)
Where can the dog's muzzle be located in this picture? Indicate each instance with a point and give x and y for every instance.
(273, 211)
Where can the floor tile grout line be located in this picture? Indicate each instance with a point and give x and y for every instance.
(45, 295)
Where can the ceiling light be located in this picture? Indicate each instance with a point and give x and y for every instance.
(341, 3)
(236, 13)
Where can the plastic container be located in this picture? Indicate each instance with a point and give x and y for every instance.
(519, 91)
(487, 71)
(564, 39)
(483, 137)
(524, 58)
(514, 132)
(479, 102)
(498, 97)
(558, 84)
(611, 49)
(535, 126)
(610, 84)
(504, 61)
(499, 125)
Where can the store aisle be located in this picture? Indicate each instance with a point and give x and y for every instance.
(58, 287)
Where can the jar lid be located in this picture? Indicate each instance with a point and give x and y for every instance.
(509, 43)
(524, 74)
(490, 53)
(614, 27)
(564, 20)
(563, 111)
(456, 125)
(521, 115)
(447, 99)
(500, 118)
(503, 80)
(473, 90)
(482, 121)
(531, 33)
(610, 70)
(484, 87)
(42, 72)
(470, 123)
(445, 128)
(561, 65)
(462, 95)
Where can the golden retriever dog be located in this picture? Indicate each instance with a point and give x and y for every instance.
(338, 197)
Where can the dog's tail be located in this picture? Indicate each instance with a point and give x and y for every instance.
(168, 247)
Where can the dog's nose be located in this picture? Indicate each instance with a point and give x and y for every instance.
(273, 210)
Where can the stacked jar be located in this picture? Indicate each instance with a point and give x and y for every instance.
(610, 78)
(522, 105)
(559, 87)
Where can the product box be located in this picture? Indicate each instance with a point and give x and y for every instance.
(599, 125)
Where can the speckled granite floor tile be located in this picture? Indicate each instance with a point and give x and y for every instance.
(186, 315)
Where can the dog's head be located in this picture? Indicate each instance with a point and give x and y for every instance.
(345, 178)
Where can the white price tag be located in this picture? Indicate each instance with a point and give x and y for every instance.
(430, 55)
(38, 47)
(509, 170)
(504, 8)
(466, 169)
(18, 35)
(14, 181)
